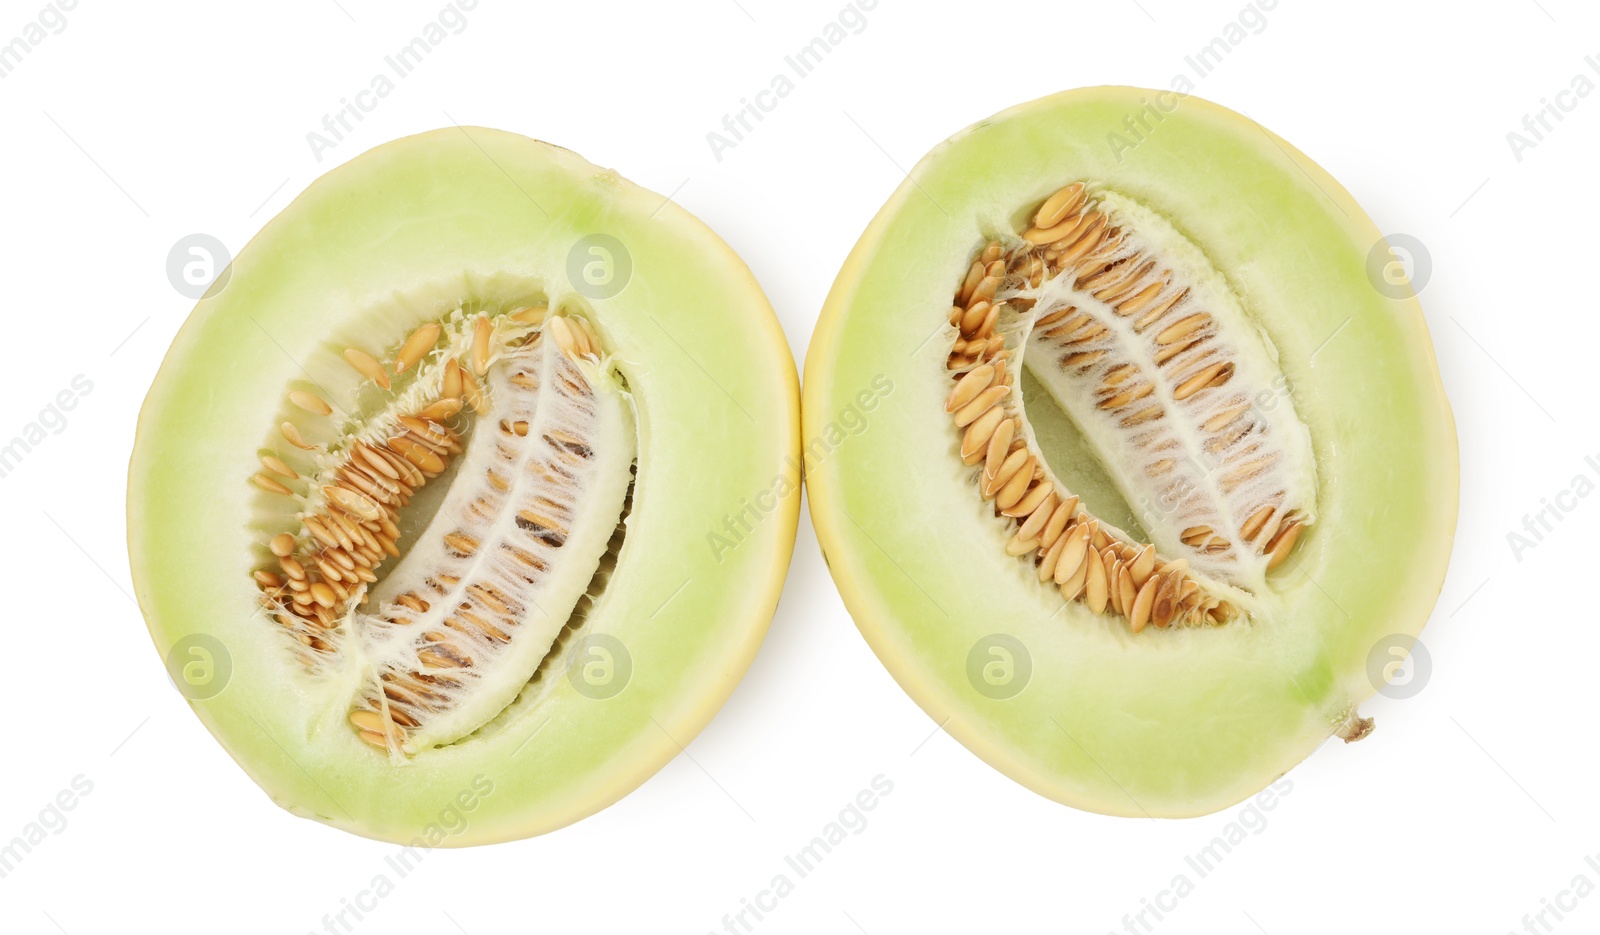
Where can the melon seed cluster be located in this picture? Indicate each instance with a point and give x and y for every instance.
(328, 566)
(1071, 549)
(362, 481)
(1076, 248)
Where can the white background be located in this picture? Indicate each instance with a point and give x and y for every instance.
(140, 124)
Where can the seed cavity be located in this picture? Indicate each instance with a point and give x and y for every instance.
(443, 626)
(1147, 349)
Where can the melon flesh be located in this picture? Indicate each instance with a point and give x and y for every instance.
(699, 377)
(1174, 722)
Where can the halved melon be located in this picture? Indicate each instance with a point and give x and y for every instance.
(1161, 465)
(426, 505)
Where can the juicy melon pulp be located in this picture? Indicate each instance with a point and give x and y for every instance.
(1207, 319)
(443, 483)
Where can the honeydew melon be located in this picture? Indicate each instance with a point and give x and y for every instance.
(504, 614)
(1142, 325)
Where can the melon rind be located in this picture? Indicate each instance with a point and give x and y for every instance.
(1162, 723)
(397, 236)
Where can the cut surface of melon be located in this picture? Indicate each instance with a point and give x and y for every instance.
(1185, 456)
(438, 506)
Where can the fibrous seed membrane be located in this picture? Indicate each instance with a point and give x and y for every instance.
(524, 410)
(1147, 349)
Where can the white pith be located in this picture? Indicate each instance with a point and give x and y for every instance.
(573, 464)
(584, 494)
(1190, 493)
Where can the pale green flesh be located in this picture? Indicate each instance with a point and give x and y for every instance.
(1069, 453)
(1167, 723)
(404, 234)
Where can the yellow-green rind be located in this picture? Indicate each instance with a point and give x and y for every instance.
(1162, 723)
(395, 237)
